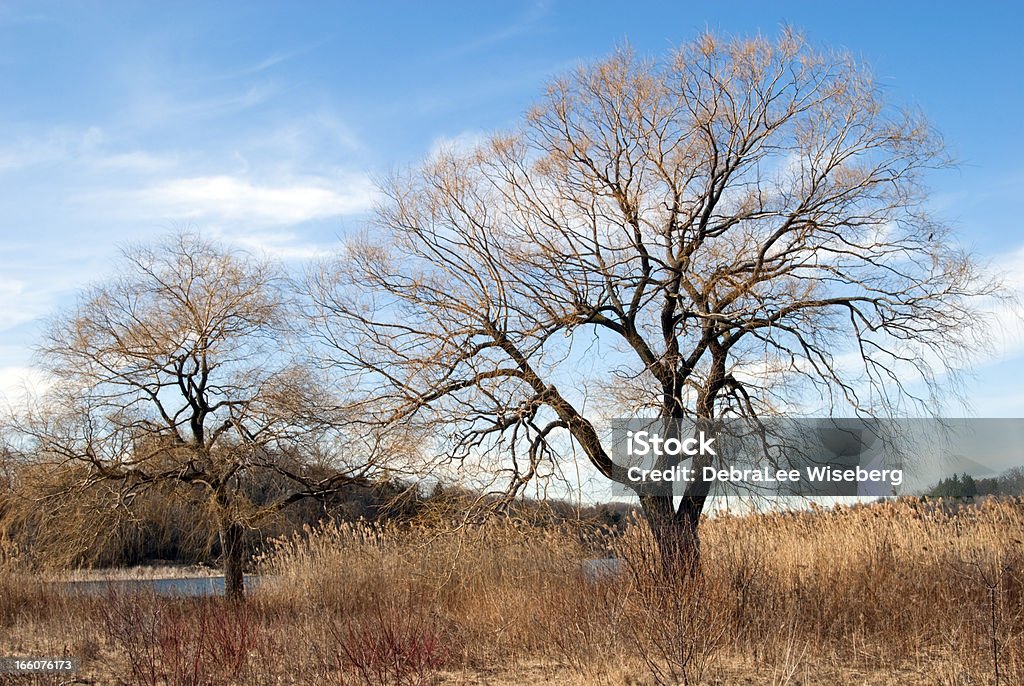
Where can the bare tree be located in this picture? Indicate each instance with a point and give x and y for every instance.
(735, 230)
(182, 369)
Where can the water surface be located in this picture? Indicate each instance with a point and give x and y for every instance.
(186, 587)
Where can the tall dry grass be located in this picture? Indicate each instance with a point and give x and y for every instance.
(493, 585)
(891, 593)
(900, 587)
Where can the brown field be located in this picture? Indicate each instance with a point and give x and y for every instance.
(896, 593)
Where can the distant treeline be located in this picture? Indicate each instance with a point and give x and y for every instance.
(1009, 483)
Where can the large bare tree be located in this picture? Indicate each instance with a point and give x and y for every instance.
(737, 229)
(183, 368)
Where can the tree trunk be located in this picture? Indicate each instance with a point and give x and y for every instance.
(675, 527)
(675, 533)
(231, 543)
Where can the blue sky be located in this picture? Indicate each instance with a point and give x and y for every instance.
(265, 124)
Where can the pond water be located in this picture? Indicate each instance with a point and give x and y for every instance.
(604, 569)
(205, 586)
(188, 587)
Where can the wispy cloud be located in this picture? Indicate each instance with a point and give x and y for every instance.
(9, 16)
(19, 303)
(155, 107)
(278, 245)
(277, 57)
(56, 144)
(138, 161)
(311, 138)
(522, 24)
(86, 147)
(236, 199)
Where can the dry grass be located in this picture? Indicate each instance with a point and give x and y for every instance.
(895, 593)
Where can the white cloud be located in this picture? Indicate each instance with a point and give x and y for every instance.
(235, 199)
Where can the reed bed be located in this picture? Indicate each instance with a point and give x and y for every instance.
(892, 593)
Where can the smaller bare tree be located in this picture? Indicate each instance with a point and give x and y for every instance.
(184, 368)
